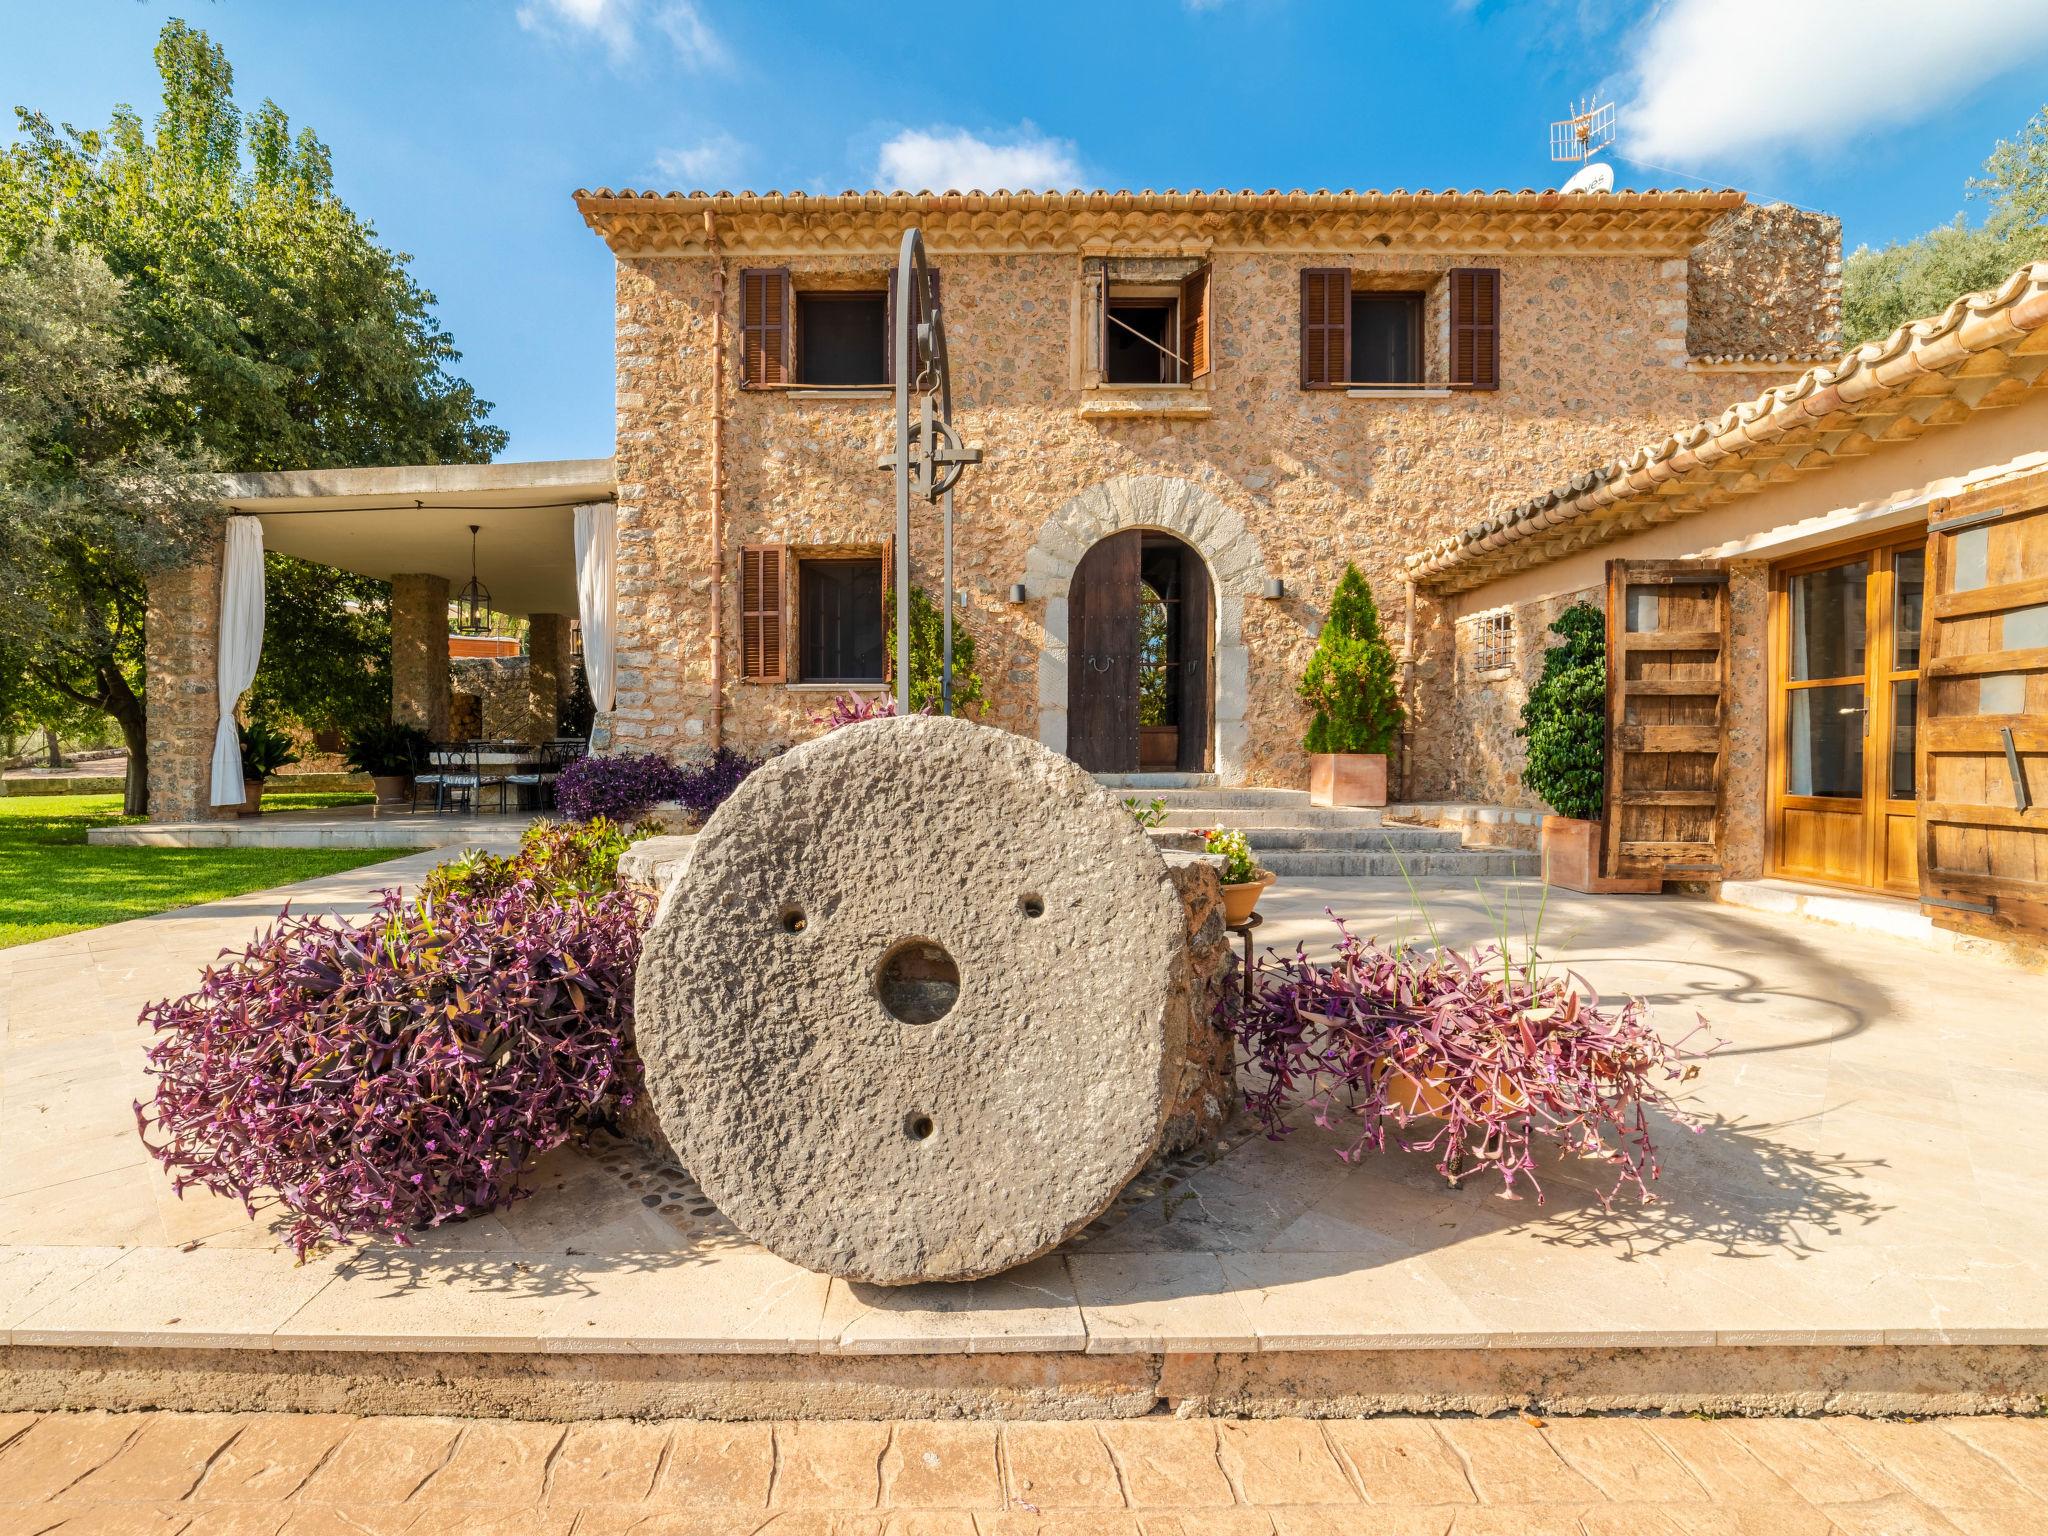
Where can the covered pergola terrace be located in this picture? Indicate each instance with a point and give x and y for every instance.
(408, 525)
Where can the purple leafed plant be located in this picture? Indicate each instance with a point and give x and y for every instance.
(383, 1077)
(1467, 1055)
(852, 708)
(617, 788)
(703, 787)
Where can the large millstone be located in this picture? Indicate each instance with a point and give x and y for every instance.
(811, 1056)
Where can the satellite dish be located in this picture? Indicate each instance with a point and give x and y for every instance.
(1591, 177)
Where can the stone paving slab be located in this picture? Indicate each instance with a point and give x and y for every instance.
(195, 1474)
(1864, 1174)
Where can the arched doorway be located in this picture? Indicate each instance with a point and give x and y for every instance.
(1140, 679)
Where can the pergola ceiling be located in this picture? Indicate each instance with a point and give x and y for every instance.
(414, 520)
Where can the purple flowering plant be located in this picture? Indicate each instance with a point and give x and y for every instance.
(704, 786)
(618, 788)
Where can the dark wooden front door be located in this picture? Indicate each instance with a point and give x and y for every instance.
(1102, 656)
(1140, 614)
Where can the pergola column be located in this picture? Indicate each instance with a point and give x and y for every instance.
(419, 653)
(547, 671)
(181, 688)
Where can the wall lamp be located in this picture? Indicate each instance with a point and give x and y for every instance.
(1274, 590)
(1017, 592)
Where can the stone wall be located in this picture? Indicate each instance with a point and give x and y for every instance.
(1766, 282)
(182, 689)
(419, 653)
(499, 684)
(1593, 362)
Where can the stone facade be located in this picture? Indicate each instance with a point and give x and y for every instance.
(1288, 483)
(549, 661)
(419, 653)
(1766, 283)
(182, 690)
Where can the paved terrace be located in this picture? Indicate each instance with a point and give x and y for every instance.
(1867, 1172)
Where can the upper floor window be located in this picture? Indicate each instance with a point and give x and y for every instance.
(1148, 320)
(1356, 337)
(818, 337)
(842, 338)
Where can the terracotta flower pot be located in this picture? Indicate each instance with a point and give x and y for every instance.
(1241, 900)
(1574, 852)
(392, 788)
(1347, 778)
(252, 795)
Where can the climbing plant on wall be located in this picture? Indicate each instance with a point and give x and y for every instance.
(1565, 717)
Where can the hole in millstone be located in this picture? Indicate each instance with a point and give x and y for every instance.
(792, 919)
(918, 982)
(917, 1127)
(1032, 906)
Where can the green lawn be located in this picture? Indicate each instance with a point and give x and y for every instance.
(52, 882)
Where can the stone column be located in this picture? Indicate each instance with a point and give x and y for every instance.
(419, 653)
(181, 689)
(547, 670)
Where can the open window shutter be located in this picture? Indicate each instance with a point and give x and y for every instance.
(1667, 688)
(767, 334)
(1325, 327)
(1982, 770)
(1475, 327)
(1194, 321)
(1095, 317)
(761, 613)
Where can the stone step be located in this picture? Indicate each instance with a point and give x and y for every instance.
(1449, 864)
(1248, 817)
(1216, 799)
(1133, 781)
(1351, 839)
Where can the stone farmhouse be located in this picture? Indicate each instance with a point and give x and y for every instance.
(1194, 409)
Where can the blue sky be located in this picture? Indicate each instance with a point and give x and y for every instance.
(460, 127)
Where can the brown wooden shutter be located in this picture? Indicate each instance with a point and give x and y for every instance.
(1325, 327)
(1194, 322)
(761, 613)
(1475, 327)
(1667, 685)
(1982, 748)
(767, 331)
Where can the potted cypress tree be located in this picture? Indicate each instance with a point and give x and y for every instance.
(1350, 685)
(1564, 720)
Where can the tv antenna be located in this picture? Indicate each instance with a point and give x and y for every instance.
(1578, 138)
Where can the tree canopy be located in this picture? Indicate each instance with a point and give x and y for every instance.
(1883, 289)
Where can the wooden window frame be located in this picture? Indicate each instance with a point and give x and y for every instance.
(1416, 301)
(876, 555)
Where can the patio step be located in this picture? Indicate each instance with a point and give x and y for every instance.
(1155, 781)
(1193, 798)
(1345, 839)
(1440, 864)
(1248, 817)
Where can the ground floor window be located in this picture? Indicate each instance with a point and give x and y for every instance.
(839, 620)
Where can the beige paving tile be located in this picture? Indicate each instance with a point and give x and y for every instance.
(1030, 1308)
(717, 1303)
(58, 1450)
(942, 1466)
(494, 1463)
(1343, 1520)
(195, 1300)
(1719, 1463)
(387, 1298)
(830, 1465)
(1347, 1301)
(1059, 1466)
(612, 1461)
(1400, 1462)
(34, 1278)
(1026, 1522)
(1624, 1461)
(1936, 1467)
(718, 1465)
(1168, 1463)
(163, 1461)
(271, 1459)
(1518, 1520)
(382, 1461)
(1509, 1461)
(1151, 1302)
(1749, 1519)
(2019, 1446)
(1281, 1461)
(1820, 1468)
(1898, 1515)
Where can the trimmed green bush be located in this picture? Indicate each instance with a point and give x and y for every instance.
(927, 654)
(1565, 718)
(1350, 679)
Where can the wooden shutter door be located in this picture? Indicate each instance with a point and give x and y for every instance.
(767, 335)
(761, 610)
(1475, 327)
(1194, 322)
(1667, 679)
(1325, 327)
(1982, 749)
(1102, 655)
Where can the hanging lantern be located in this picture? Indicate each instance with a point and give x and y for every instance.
(473, 602)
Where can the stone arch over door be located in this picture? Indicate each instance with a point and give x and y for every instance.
(1199, 518)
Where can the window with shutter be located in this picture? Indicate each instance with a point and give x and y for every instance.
(765, 330)
(1325, 327)
(1194, 322)
(1475, 327)
(761, 613)
(889, 328)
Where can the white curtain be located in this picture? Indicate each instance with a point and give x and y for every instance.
(241, 647)
(597, 549)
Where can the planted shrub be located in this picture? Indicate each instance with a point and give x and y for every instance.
(1483, 1060)
(618, 788)
(927, 654)
(1564, 719)
(704, 786)
(1240, 867)
(1349, 681)
(386, 748)
(379, 1078)
(556, 858)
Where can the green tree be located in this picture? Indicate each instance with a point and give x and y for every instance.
(326, 647)
(263, 325)
(1564, 719)
(1349, 682)
(1883, 289)
(92, 501)
(927, 653)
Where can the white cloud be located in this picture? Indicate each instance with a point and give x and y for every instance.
(619, 24)
(704, 163)
(953, 160)
(1734, 77)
